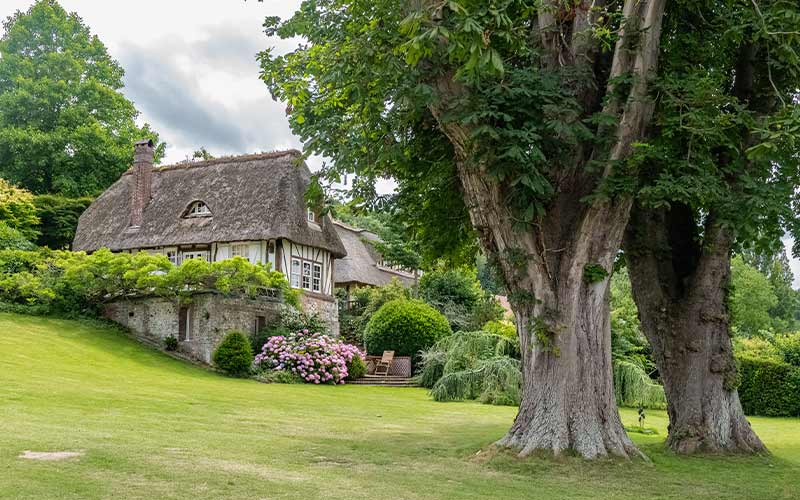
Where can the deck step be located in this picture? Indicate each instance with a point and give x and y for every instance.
(390, 381)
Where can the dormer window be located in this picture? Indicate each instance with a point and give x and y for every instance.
(198, 209)
(310, 215)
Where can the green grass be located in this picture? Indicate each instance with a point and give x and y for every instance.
(153, 427)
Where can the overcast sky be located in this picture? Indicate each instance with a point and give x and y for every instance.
(190, 68)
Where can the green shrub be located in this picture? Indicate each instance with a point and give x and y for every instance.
(789, 347)
(18, 211)
(473, 365)
(171, 343)
(279, 377)
(633, 387)
(233, 355)
(356, 368)
(74, 283)
(769, 388)
(58, 218)
(756, 348)
(457, 286)
(12, 239)
(502, 328)
(405, 327)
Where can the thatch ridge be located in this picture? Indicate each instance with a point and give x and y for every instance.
(225, 159)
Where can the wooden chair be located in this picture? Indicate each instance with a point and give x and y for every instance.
(382, 366)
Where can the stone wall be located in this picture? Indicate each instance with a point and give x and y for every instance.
(324, 305)
(209, 318)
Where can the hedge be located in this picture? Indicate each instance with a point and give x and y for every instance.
(769, 388)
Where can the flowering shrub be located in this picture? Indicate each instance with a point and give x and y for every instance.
(316, 358)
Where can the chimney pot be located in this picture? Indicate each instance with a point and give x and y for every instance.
(141, 191)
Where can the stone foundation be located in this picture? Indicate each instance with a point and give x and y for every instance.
(324, 305)
(207, 320)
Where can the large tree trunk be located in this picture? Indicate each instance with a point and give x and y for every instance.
(568, 396)
(563, 317)
(680, 285)
(563, 322)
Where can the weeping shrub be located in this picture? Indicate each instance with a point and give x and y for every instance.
(473, 365)
(634, 387)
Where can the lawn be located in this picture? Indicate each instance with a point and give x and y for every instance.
(150, 427)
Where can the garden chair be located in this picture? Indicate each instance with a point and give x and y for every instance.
(382, 366)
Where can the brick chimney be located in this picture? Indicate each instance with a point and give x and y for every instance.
(142, 180)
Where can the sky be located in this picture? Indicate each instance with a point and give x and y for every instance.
(191, 70)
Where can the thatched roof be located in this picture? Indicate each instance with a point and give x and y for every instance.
(360, 266)
(253, 197)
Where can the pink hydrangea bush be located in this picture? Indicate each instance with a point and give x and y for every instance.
(316, 358)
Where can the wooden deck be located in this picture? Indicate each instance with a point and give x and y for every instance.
(385, 381)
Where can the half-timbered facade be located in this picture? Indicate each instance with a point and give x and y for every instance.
(248, 206)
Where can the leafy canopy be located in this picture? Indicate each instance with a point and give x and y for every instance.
(64, 125)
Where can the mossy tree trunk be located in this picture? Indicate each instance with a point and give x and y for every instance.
(680, 283)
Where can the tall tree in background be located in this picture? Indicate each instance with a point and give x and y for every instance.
(785, 314)
(64, 126)
(721, 172)
(524, 116)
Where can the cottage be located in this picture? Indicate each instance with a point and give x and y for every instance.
(363, 265)
(250, 206)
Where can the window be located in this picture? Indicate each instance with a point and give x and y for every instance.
(198, 209)
(310, 215)
(306, 275)
(241, 250)
(316, 280)
(172, 255)
(195, 254)
(295, 273)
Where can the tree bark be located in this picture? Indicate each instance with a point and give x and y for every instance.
(568, 396)
(680, 287)
(563, 317)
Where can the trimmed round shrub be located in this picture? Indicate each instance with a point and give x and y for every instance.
(234, 355)
(356, 368)
(769, 388)
(405, 327)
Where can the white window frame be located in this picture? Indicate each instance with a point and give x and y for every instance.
(303, 274)
(295, 272)
(198, 209)
(240, 250)
(305, 277)
(195, 254)
(172, 255)
(316, 277)
(311, 216)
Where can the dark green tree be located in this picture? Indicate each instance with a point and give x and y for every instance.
(509, 120)
(65, 127)
(58, 216)
(720, 173)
